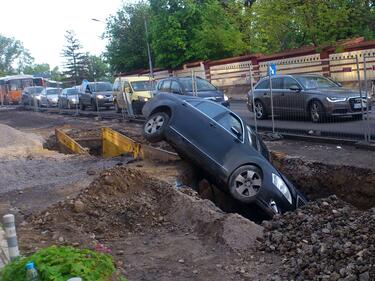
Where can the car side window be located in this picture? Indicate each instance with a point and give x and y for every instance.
(210, 109)
(228, 121)
(265, 84)
(175, 88)
(289, 82)
(165, 86)
(277, 83)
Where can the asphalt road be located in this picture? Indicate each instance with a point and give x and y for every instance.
(342, 128)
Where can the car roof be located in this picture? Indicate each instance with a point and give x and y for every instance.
(135, 78)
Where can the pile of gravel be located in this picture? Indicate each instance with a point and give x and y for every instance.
(325, 240)
(15, 143)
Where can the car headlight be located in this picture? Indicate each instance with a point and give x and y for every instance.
(226, 98)
(38, 97)
(143, 99)
(73, 99)
(281, 186)
(333, 99)
(54, 99)
(100, 97)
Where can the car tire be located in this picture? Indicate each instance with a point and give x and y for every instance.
(154, 127)
(81, 105)
(117, 108)
(317, 112)
(245, 183)
(94, 105)
(260, 110)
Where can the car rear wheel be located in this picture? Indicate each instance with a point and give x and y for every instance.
(245, 183)
(154, 127)
(259, 110)
(317, 113)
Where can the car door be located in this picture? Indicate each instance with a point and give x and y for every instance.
(277, 92)
(292, 101)
(261, 92)
(213, 140)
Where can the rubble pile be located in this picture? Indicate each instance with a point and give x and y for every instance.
(325, 240)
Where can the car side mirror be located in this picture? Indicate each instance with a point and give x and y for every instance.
(339, 84)
(236, 132)
(295, 88)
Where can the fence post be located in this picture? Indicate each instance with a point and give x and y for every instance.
(11, 236)
(252, 96)
(360, 94)
(367, 100)
(194, 85)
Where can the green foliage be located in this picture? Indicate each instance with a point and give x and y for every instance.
(98, 69)
(191, 30)
(13, 56)
(60, 264)
(126, 49)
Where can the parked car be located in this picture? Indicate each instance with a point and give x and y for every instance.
(314, 96)
(96, 94)
(220, 143)
(49, 97)
(137, 90)
(184, 86)
(68, 98)
(29, 95)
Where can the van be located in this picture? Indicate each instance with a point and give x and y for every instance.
(137, 91)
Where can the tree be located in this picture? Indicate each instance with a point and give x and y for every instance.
(98, 69)
(14, 58)
(75, 68)
(125, 31)
(44, 70)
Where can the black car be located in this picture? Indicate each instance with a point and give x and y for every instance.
(185, 85)
(96, 94)
(218, 141)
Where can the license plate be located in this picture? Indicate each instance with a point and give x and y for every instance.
(359, 105)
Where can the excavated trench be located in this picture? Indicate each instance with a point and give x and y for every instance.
(316, 180)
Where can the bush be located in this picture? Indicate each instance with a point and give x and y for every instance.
(60, 264)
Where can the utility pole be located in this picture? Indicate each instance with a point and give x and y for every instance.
(148, 51)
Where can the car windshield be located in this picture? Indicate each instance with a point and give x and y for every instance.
(316, 82)
(53, 92)
(202, 85)
(34, 90)
(101, 87)
(139, 86)
(72, 92)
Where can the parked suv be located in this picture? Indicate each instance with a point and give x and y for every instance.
(184, 86)
(96, 94)
(311, 95)
(137, 90)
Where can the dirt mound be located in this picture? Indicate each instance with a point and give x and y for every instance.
(325, 240)
(14, 142)
(126, 200)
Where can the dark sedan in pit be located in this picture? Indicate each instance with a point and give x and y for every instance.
(305, 95)
(218, 141)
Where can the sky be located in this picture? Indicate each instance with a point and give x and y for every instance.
(41, 25)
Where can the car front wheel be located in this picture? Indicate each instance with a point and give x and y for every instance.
(154, 127)
(259, 110)
(245, 183)
(317, 113)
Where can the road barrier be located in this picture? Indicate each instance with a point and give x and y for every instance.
(11, 236)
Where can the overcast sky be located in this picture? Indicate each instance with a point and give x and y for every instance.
(41, 24)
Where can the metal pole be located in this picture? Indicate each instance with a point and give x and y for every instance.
(11, 236)
(360, 93)
(148, 51)
(272, 115)
(367, 101)
(253, 98)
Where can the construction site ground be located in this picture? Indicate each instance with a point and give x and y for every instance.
(159, 228)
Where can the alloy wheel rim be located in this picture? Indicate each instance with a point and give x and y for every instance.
(314, 112)
(154, 124)
(258, 110)
(248, 183)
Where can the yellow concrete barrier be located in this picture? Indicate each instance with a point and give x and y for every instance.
(67, 143)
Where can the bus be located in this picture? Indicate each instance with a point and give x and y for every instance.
(11, 87)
